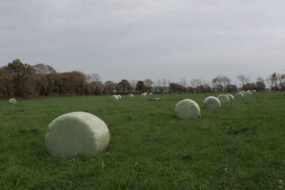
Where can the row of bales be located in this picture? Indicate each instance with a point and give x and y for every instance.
(118, 97)
(188, 108)
(81, 133)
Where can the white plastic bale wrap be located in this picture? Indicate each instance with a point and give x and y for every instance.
(144, 94)
(114, 97)
(211, 102)
(231, 97)
(12, 101)
(239, 95)
(119, 96)
(253, 91)
(150, 93)
(187, 109)
(249, 93)
(131, 95)
(77, 133)
(224, 98)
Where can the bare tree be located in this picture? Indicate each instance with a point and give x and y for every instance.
(93, 77)
(133, 83)
(272, 80)
(164, 82)
(42, 69)
(158, 83)
(243, 79)
(195, 82)
(183, 82)
(260, 85)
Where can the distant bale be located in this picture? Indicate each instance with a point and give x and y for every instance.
(77, 133)
(211, 102)
(224, 99)
(150, 93)
(119, 96)
(243, 92)
(253, 91)
(144, 94)
(114, 97)
(131, 95)
(231, 97)
(239, 95)
(187, 109)
(249, 93)
(155, 99)
(12, 101)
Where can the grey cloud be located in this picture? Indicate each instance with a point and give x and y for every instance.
(146, 38)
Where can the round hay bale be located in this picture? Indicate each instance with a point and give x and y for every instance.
(114, 97)
(211, 102)
(119, 96)
(248, 92)
(243, 92)
(253, 91)
(131, 95)
(231, 97)
(77, 133)
(187, 109)
(155, 99)
(144, 94)
(239, 95)
(224, 99)
(150, 93)
(12, 101)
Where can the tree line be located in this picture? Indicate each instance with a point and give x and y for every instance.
(19, 79)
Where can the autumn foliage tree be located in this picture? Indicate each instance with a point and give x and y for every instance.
(220, 82)
(18, 79)
(19, 75)
(148, 85)
(124, 87)
(176, 88)
(110, 87)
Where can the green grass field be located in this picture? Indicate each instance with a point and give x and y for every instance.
(238, 146)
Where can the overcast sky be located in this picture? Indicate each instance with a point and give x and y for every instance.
(138, 39)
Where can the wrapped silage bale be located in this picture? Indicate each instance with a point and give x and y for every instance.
(239, 95)
(231, 97)
(114, 97)
(12, 101)
(119, 96)
(211, 102)
(243, 92)
(249, 93)
(224, 99)
(150, 93)
(77, 133)
(144, 94)
(253, 91)
(187, 109)
(131, 95)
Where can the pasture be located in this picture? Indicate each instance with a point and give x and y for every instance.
(240, 145)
